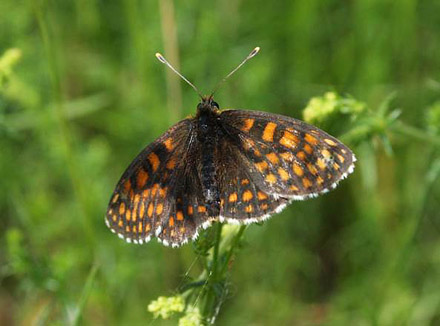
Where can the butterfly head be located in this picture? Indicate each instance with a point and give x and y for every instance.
(207, 104)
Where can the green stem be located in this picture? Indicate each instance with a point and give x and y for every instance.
(218, 237)
(210, 302)
(413, 132)
(232, 249)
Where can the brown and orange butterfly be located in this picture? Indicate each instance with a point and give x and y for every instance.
(234, 166)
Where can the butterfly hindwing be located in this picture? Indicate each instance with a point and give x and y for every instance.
(188, 212)
(242, 199)
(285, 156)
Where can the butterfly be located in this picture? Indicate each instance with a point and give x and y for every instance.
(234, 166)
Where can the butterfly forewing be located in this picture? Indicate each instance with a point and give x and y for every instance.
(285, 156)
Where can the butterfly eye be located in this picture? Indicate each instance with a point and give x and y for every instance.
(215, 104)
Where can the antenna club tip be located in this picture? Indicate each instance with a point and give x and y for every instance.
(254, 52)
(160, 57)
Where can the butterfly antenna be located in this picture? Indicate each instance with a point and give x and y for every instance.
(250, 56)
(161, 58)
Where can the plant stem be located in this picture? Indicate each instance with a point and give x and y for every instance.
(213, 278)
(411, 131)
(232, 249)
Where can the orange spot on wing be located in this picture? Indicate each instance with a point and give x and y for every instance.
(154, 189)
(135, 206)
(122, 209)
(289, 140)
(245, 182)
(273, 158)
(179, 215)
(308, 149)
(287, 156)
(190, 210)
(128, 215)
(340, 158)
(319, 180)
(147, 227)
(261, 195)
(325, 153)
(134, 213)
(293, 188)
(142, 210)
(233, 197)
(142, 178)
(261, 166)
(321, 164)
(150, 210)
(301, 155)
(306, 183)
(268, 132)
(127, 187)
(169, 144)
(171, 221)
(159, 208)
(171, 164)
(310, 139)
(154, 160)
(249, 209)
(247, 125)
(284, 175)
(336, 166)
(201, 209)
(248, 144)
(312, 168)
(264, 207)
(162, 192)
(271, 178)
(115, 198)
(330, 142)
(120, 223)
(298, 169)
(247, 195)
(127, 229)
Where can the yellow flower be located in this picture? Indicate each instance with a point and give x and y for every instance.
(192, 317)
(320, 108)
(165, 307)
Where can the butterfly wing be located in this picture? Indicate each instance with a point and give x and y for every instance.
(241, 195)
(155, 193)
(284, 158)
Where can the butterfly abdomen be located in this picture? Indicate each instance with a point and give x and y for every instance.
(207, 137)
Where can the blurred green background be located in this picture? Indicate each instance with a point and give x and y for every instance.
(81, 93)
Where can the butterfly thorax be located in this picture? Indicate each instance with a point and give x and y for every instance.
(207, 136)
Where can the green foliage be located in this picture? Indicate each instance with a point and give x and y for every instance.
(81, 93)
